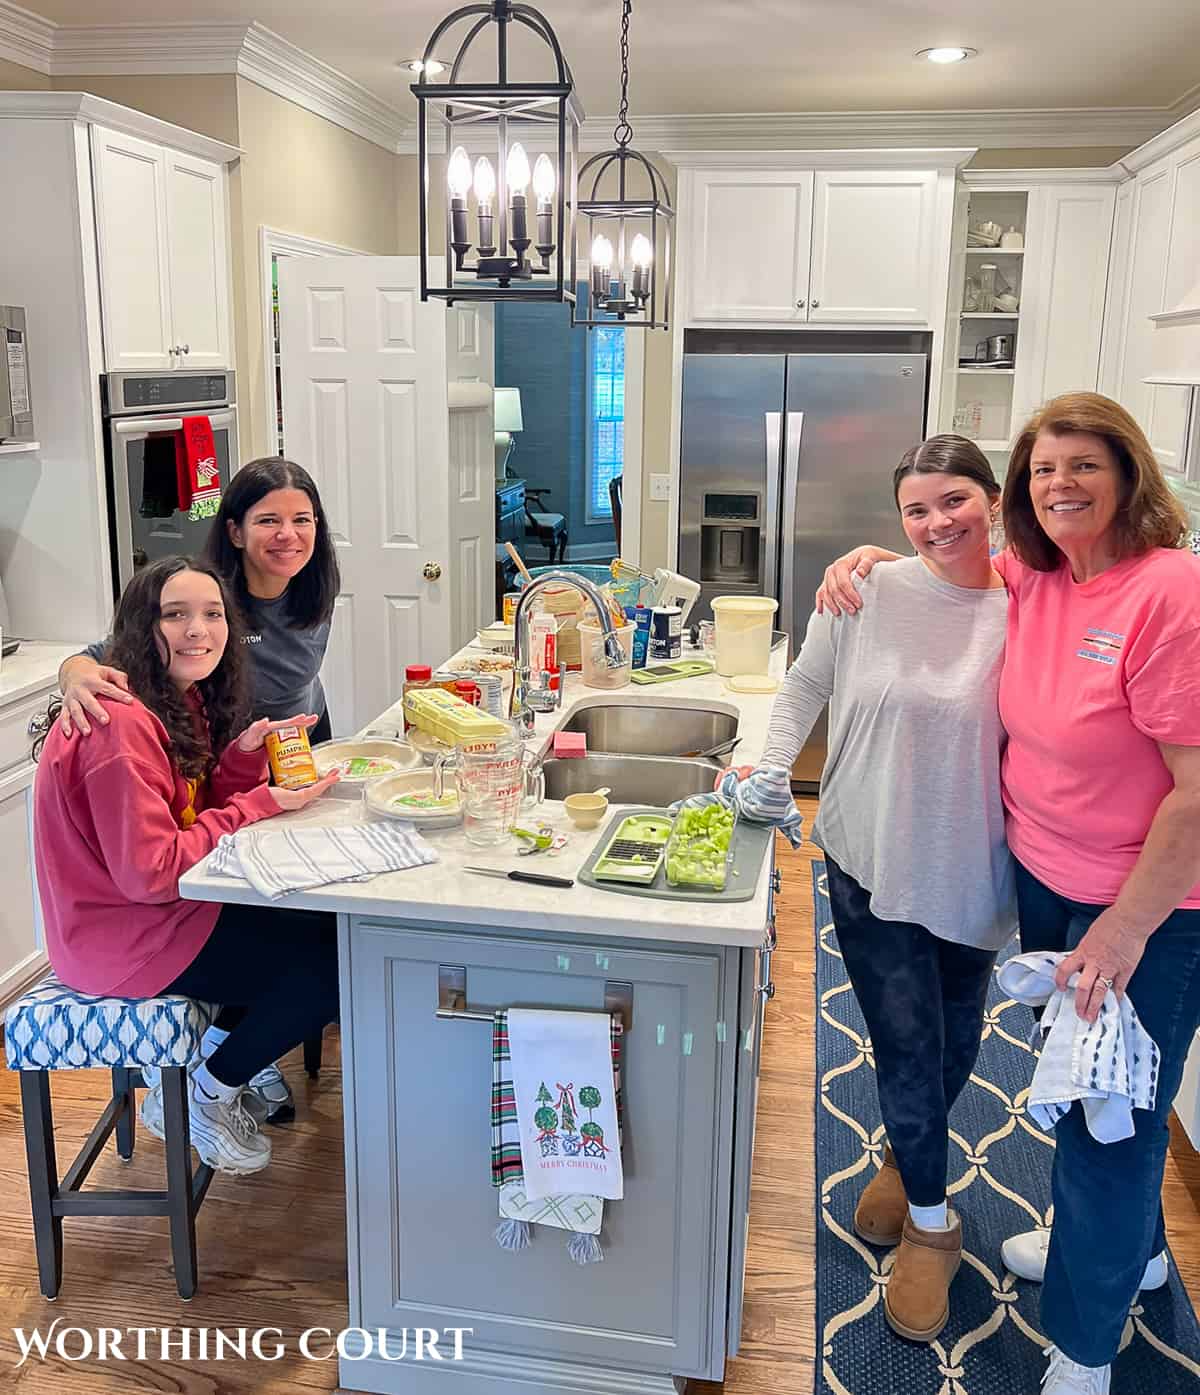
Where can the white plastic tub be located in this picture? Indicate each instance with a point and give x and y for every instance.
(743, 633)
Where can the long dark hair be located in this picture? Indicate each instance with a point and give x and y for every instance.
(313, 590)
(134, 648)
(947, 455)
(1148, 516)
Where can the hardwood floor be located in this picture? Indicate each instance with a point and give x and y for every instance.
(272, 1247)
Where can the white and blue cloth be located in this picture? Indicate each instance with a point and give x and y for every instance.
(277, 862)
(764, 796)
(1110, 1065)
(53, 1027)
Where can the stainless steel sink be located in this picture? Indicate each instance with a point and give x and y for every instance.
(644, 730)
(650, 780)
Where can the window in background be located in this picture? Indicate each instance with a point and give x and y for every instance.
(606, 418)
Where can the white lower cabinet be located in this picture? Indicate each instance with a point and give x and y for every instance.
(22, 943)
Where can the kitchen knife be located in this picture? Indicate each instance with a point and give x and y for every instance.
(538, 878)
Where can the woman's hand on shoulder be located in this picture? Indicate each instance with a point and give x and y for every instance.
(289, 800)
(838, 592)
(84, 683)
(252, 738)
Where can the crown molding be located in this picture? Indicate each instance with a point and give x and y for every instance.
(87, 107)
(1000, 181)
(108, 49)
(26, 38)
(1186, 128)
(887, 158)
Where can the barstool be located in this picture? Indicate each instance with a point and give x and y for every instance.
(53, 1027)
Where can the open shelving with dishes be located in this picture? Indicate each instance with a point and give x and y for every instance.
(989, 317)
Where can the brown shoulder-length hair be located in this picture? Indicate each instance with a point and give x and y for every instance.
(1148, 514)
(225, 692)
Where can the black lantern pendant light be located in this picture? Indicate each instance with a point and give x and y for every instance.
(488, 253)
(630, 234)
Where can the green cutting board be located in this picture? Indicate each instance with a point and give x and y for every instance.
(670, 672)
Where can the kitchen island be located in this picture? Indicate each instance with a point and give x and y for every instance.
(691, 979)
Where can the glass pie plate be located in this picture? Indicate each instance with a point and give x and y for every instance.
(363, 761)
(410, 797)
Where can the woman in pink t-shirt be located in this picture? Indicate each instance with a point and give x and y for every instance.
(1100, 696)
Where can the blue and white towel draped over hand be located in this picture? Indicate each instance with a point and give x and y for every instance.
(764, 796)
(278, 861)
(1110, 1065)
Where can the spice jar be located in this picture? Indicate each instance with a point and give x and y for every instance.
(415, 676)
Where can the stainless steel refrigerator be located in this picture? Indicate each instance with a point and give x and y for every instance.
(786, 461)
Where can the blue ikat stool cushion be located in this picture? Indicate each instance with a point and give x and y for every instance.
(53, 1027)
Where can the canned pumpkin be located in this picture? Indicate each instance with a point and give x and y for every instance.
(290, 758)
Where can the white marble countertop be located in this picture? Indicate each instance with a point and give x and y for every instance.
(445, 894)
(35, 665)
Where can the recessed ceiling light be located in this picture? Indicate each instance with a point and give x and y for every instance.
(422, 69)
(947, 55)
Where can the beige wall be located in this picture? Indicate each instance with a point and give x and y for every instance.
(16, 78)
(204, 102)
(299, 174)
(1047, 158)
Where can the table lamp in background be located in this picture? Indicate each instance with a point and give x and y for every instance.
(508, 420)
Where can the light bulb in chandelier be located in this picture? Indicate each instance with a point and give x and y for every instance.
(602, 252)
(458, 173)
(641, 254)
(602, 259)
(544, 179)
(485, 181)
(516, 170)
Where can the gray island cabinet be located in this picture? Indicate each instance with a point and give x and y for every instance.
(426, 955)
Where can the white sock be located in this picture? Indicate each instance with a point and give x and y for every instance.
(209, 1085)
(929, 1217)
(211, 1040)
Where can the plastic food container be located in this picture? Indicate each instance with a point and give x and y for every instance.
(411, 798)
(451, 720)
(743, 633)
(362, 762)
(596, 673)
(693, 861)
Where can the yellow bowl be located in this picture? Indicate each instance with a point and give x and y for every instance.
(585, 810)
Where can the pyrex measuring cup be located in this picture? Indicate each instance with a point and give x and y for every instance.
(494, 778)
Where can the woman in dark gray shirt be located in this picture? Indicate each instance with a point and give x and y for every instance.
(271, 542)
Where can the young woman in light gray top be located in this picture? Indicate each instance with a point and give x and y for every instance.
(911, 823)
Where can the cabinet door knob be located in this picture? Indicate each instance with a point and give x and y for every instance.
(173, 350)
(186, 349)
(816, 305)
(432, 571)
(799, 305)
(39, 724)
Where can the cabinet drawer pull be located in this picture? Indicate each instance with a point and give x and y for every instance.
(39, 724)
(452, 998)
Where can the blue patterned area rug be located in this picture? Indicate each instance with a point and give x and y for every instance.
(999, 1180)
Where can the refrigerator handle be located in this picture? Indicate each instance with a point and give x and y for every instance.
(769, 527)
(787, 526)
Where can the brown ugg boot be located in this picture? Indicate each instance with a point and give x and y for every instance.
(879, 1215)
(916, 1301)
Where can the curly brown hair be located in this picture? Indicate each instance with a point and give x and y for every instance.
(1148, 515)
(225, 692)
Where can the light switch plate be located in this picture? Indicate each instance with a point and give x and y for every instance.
(660, 488)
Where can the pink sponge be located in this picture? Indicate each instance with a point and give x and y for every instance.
(570, 743)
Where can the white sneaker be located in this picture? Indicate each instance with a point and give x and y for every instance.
(1026, 1255)
(268, 1095)
(224, 1133)
(1066, 1377)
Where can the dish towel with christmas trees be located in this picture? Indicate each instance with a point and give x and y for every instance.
(562, 1128)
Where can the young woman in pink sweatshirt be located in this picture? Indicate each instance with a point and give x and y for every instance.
(119, 817)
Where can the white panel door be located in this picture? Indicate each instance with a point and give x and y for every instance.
(129, 179)
(750, 245)
(198, 261)
(1151, 225)
(471, 365)
(1183, 253)
(1112, 345)
(872, 247)
(20, 915)
(364, 397)
(1071, 276)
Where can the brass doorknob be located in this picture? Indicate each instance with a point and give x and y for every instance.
(432, 571)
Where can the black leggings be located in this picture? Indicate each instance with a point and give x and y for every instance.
(276, 972)
(923, 1001)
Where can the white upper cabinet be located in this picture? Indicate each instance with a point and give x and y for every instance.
(198, 261)
(803, 247)
(751, 245)
(872, 247)
(129, 178)
(164, 264)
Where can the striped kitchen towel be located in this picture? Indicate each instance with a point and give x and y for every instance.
(278, 861)
(764, 796)
(580, 1214)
